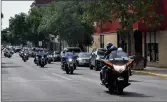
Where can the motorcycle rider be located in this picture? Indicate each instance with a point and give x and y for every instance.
(63, 59)
(110, 47)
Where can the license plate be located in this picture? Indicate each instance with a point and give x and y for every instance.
(120, 78)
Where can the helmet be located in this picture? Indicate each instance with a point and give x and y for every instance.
(120, 49)
(109, 45)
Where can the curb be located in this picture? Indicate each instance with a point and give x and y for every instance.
(154, 74)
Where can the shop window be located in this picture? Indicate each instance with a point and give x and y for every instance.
(152, 47)
(152, 52)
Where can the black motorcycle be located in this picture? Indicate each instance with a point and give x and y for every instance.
(69, 63)
(8, 54)
(42, 60)
(36, 60)
(118, 72)
(25, 57)
(49, 58)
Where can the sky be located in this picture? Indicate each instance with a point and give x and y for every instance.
(10, 8)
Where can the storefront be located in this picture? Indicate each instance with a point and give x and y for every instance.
(155, 47)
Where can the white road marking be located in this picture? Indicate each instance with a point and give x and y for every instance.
(61, 76)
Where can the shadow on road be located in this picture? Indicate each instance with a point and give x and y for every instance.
(129, 94)
(134, 81)
(11, 66)
(133, 94)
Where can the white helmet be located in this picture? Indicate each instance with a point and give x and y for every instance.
(120, 49)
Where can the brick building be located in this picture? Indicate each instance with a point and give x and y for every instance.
(152, 42)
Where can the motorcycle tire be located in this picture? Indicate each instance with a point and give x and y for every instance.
(42, 65)
(67, 72)
(71, 71)
(90, 66)
(110, 89)
(96, 68)
(119, 91)
(49, 62)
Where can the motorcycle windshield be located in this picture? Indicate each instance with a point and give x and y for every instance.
(119, 58)
(69, 57)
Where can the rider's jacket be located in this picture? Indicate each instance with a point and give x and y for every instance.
(107, 53)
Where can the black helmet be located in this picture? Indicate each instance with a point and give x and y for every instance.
(109, 45)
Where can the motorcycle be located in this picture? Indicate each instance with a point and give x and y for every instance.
(36, 60)
(42, 60)
(49, 58)
(21, 54)
(69, 63)
(7, 54)
(118, 72)
(25, 57)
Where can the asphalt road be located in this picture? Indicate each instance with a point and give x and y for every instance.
(24, 81)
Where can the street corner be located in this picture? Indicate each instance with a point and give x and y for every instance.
(150, 73)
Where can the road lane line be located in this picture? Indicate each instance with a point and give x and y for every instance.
(61, 76)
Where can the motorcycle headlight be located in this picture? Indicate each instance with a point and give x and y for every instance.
(42, 57)
(119, 68)
(70, 60)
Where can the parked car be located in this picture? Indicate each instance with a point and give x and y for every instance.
(83, 59)
(76, 50)
(56, 56)
(96, 56)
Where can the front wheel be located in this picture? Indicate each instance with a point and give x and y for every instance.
(110, 89)
(90, 66)
(71, 70)
(42, 65)
(67, 72)
(49, 62)
(119, 91)
(96, 68)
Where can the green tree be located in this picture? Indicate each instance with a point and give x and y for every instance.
(64, 20)
(18, 28)
(33, 21)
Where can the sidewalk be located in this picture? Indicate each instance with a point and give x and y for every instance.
(161, 72)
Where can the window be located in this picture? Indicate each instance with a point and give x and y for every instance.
(152, 47)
